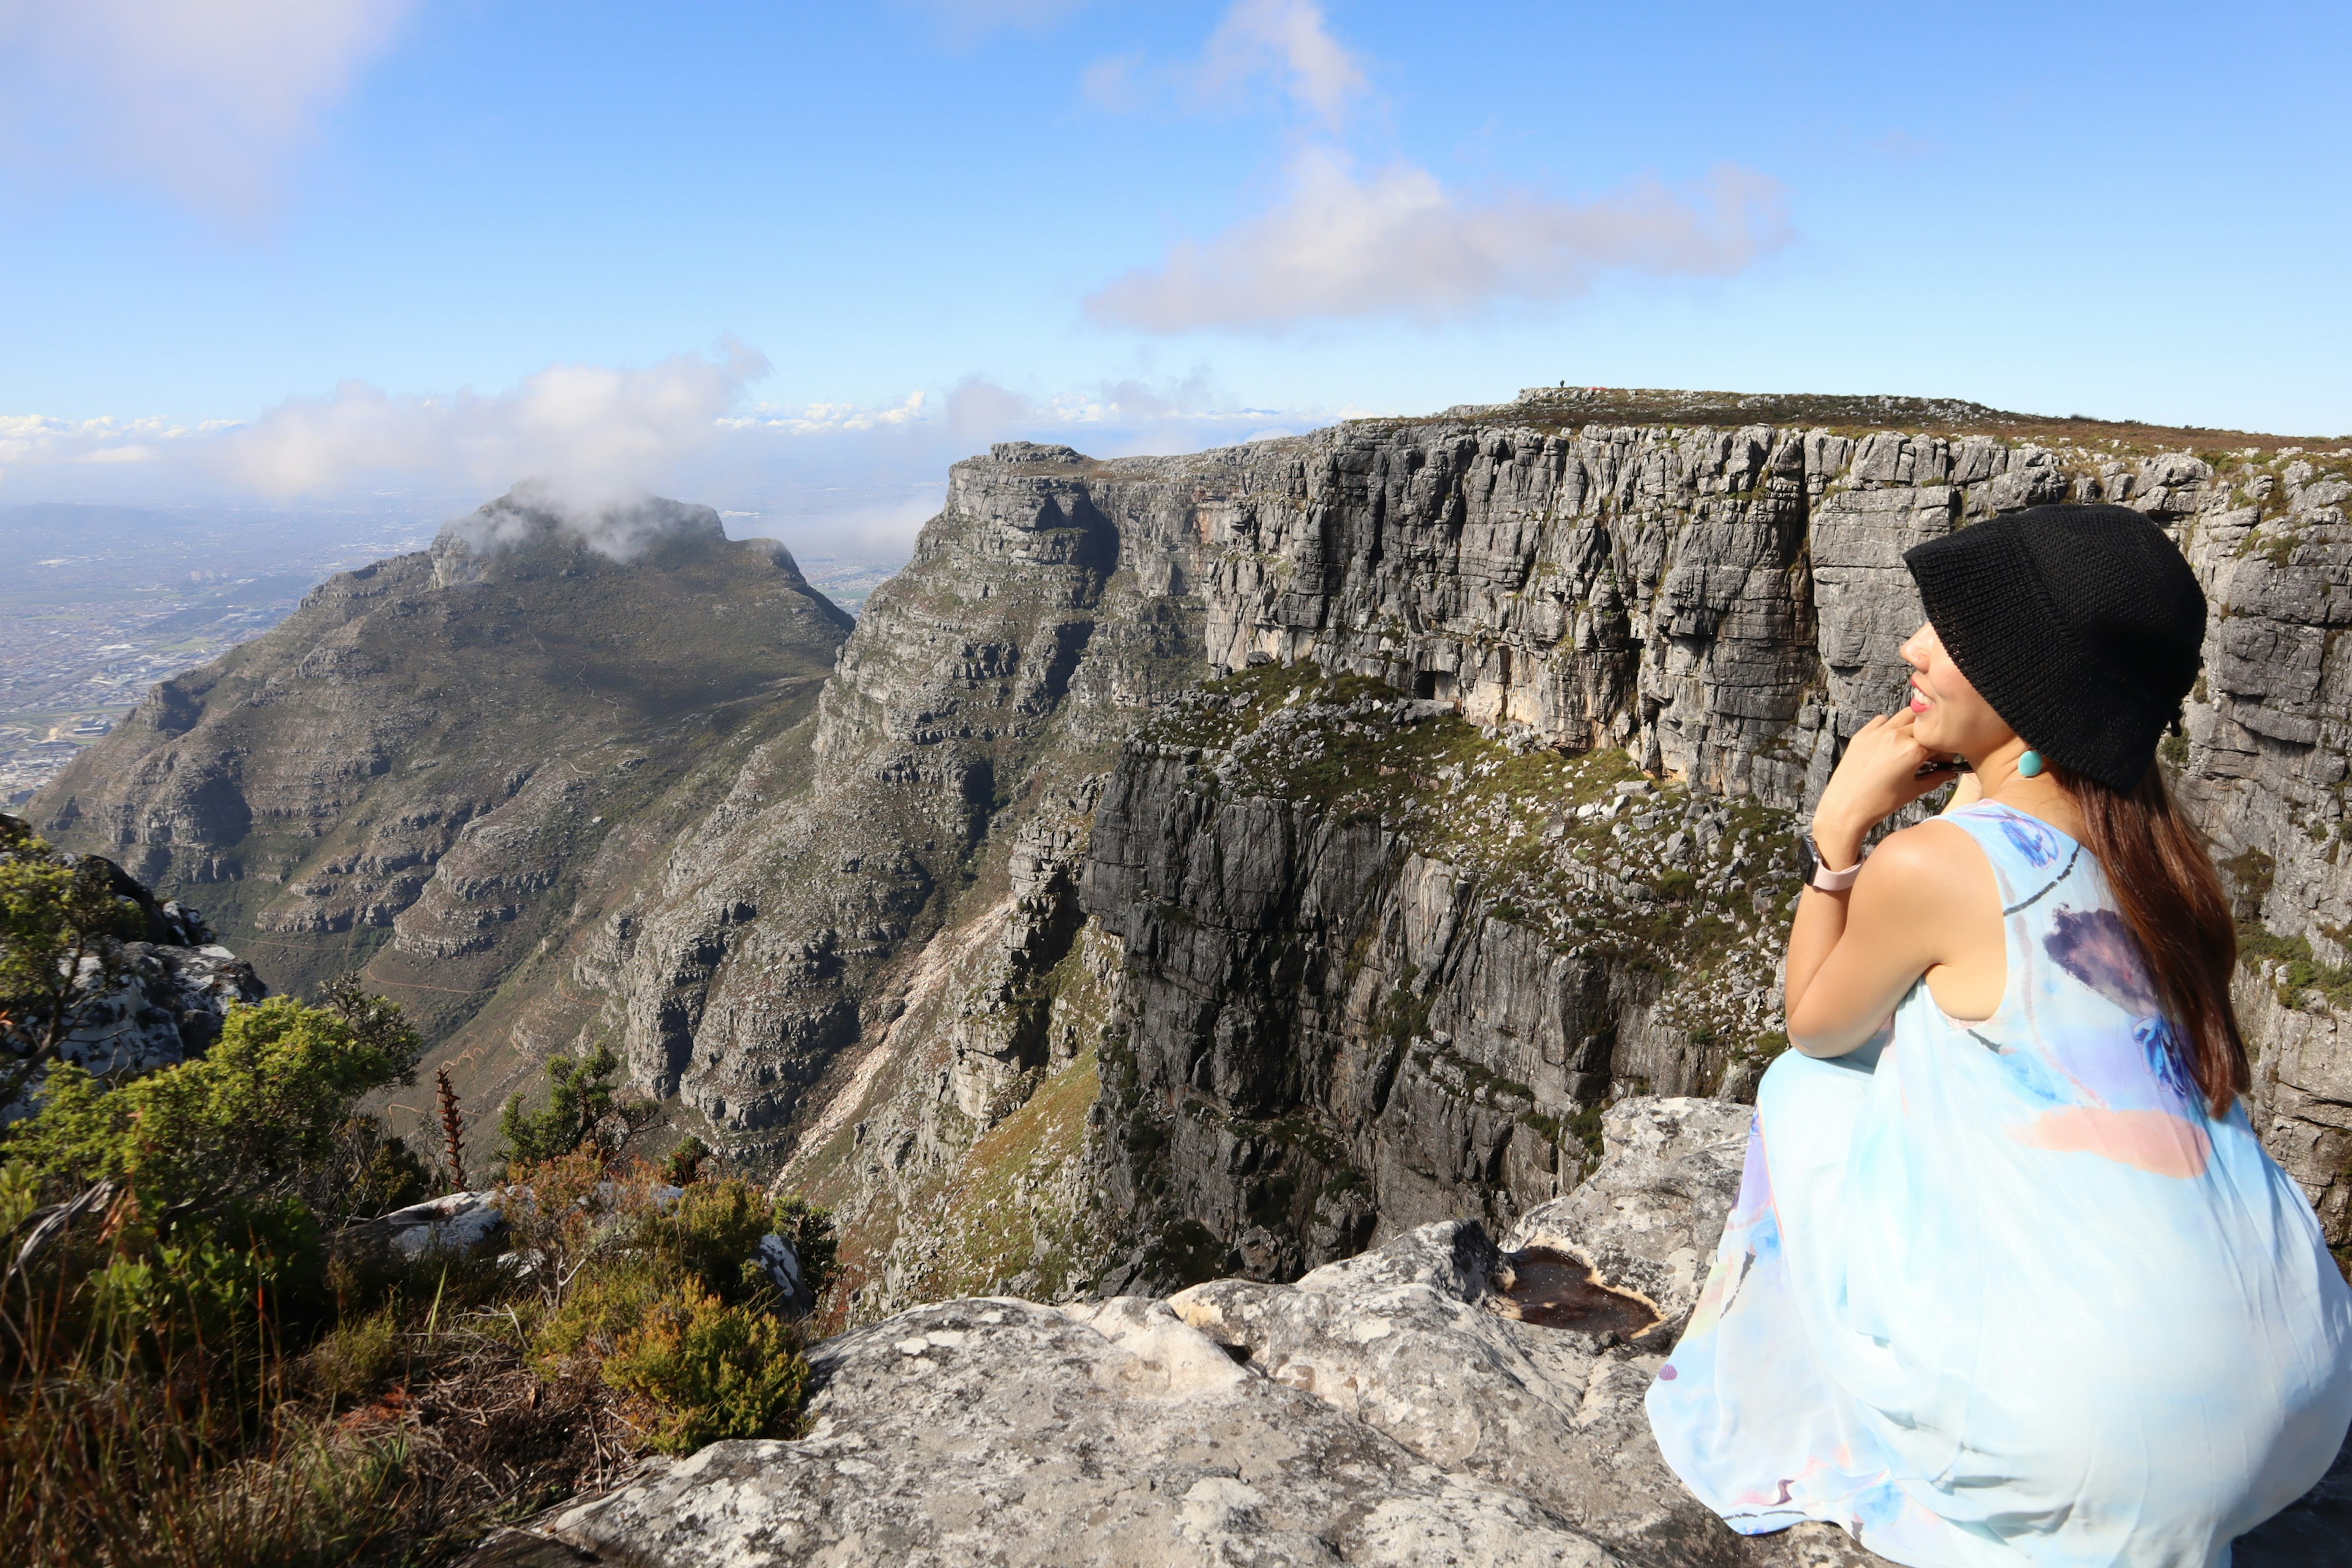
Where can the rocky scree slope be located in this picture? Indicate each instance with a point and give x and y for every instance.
(1439, 1399)
(443, 762)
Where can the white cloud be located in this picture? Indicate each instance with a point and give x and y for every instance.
(843, 480)
(204, 99)
(30, 439)
(590, 432)
(826, 418)
(1286, 39)
(1282, 42)
(1340, 244)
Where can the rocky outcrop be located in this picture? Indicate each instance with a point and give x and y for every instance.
(1421, 1403)
(172, 989)
(1457, 771)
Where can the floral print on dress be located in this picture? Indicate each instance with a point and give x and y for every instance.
(2097, 948)
(2037, 843)
(1968, 1274)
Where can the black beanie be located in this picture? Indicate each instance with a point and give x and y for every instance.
(2080, 624)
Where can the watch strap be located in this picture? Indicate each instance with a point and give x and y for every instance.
(1827, 880)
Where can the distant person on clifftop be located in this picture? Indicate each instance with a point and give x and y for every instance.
(2011, 1281)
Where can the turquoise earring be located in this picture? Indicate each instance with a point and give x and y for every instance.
(2029, 766)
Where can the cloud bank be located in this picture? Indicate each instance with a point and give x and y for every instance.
(204, 99)
(1340, 245)
(588, 432)
(848, 478)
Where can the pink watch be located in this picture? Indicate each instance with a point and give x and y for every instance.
(1827, 880)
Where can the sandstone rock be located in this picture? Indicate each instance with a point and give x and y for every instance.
(1006, 1433)
(471, 750)
(176, 987)
(1648, 1217)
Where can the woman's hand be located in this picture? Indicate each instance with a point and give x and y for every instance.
(1878, 776)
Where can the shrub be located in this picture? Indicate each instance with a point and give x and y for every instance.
(683, 1167)
(810, 1232)
(352, 1359)
(62, 926)
(207, 1176)
(713, 1233)
(561, 1213)
(241, 1123)
(699, 1370)
(584, 1106)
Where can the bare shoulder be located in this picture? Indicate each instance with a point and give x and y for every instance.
(1932, 860)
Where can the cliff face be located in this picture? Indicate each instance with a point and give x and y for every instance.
(434, 765)
(1365, 929)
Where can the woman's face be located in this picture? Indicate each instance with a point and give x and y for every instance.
(1948, 716)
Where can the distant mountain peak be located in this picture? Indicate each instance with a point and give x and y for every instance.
(534, 518)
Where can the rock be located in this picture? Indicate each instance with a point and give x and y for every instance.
(1006, 1433)
(177, 985)
(808, 915)
(1648, 1217)
(467, 750)
(458, 1222)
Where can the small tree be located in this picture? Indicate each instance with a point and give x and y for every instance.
(683, 1167)
(62, 927)
(584, 1106)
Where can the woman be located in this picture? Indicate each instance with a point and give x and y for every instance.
(2010, 1280)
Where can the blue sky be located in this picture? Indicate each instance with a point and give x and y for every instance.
(797, 256)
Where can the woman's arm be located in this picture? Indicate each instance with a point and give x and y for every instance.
(1853, 954)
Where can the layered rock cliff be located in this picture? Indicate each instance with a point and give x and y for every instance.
(1482, 814)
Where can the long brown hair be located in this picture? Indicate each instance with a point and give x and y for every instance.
(2171, 897)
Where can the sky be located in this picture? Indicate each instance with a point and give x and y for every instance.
(794, 259)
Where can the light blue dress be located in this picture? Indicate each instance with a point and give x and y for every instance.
(2004, 1293)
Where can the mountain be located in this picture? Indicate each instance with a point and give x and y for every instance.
(1225, 863)
(438, 761)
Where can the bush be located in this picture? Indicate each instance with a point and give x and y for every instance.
(206, 1175)
(713, 1233)
(62, 926)
(584, 1108)
(193, 1372)
(352, 1359)
(699, 1369)
(683, 1167)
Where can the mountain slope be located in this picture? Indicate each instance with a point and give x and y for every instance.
(430, 766)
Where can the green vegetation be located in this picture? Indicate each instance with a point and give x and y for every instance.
(1577, 847)
(62, 926)
(584, 1106)
(2299, 969)
(205, 1360)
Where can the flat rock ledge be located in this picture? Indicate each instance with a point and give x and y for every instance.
(1408, 1407)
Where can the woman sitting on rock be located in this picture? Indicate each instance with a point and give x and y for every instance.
(2011, 1279)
